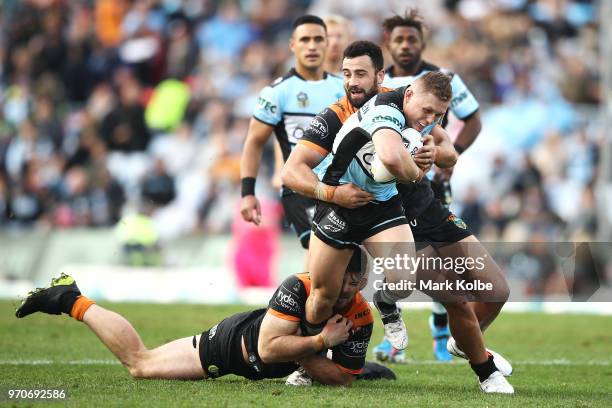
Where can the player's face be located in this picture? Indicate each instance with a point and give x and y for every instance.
(309, 44)
(338, 37)
(361, 81)
(421, 109)
(351, 284)
(406, 45)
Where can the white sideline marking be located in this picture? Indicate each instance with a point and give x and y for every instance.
(559, 362)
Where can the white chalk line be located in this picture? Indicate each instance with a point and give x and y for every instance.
(558, 362)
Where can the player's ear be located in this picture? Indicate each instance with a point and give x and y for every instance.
(380, 77)
(363, 282)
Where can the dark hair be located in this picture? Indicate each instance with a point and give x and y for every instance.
(358, 263)
(437, 83)
(359, 48)
(411, 18)
(309, 19)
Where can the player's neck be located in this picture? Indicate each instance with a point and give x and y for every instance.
(411, 71)
(310, 75)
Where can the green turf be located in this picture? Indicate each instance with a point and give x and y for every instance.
(527, 339)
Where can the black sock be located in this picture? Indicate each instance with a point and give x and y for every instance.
(67, 301)
(310, 329)
(484, 370)
(383, 307)
(440, 319)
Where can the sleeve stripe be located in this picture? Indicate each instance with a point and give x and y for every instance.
(314, 146)
(263, 121)
(348, 370)
(283, 315)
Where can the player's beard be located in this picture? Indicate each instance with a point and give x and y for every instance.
(367, 95)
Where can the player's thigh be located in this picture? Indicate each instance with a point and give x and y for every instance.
(178, 359)
(326, 266)
(395, 247)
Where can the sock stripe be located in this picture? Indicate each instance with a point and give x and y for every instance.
(80, 306)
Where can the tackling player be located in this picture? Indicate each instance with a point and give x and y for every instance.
(286, 108)
(362, 67)
(264, 343)
(404, 39)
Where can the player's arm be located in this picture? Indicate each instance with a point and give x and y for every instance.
(446, 156)
(325, 371)
(394, 156)
(256, 139)
(465, 106)
(279, 342)
(279, 162)
(297, 174)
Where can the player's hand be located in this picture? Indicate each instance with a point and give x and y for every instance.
(250, 209)
(336, 330)
(425, 157)
(351, 196)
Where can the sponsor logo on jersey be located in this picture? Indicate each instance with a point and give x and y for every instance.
(296, 287)
(387, 118)
(287, 300)
(318, 126)
(393, 105)
(266, 105)
(361, 314)
(212, 332)
(356, 348)
(458, 99)
(334, 223)
(302, 99)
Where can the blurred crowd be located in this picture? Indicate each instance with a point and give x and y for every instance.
(111, 106)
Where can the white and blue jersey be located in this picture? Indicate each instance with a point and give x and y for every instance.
(291, 102)
(353, 149)
(463, 104)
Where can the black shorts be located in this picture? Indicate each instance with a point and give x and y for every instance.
(342, 228)
(299, 211)
(221, 349)
(438, 227)
(442, 191)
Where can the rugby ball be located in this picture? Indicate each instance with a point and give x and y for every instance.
(412, 141)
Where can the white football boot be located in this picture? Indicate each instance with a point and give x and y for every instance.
(299, 378)
(496, 384)
(503, 365)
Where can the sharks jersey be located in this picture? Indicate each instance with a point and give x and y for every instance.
(463, 104)
(353, 149)
(290, 103)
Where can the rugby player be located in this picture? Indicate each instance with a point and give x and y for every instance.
(405, 41)
(362, 67)
(286, 108)
(264, 343)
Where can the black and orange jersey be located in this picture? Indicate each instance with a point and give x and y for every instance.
(322, 131)
(289, 303)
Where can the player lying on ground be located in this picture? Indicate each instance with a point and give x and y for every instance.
(263, 343)
(441, 236)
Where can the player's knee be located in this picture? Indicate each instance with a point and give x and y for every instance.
(138, 367)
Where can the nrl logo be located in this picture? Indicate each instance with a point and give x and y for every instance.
(302, 99)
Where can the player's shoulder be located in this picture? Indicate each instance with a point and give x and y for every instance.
(393, 98)
(360, 312)
(343, 108)
(298, 283)
(286, 79)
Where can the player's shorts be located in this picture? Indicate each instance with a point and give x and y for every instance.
(221, 349)
(299, 211)
(438, 227)
(442, 191)
(342, 228)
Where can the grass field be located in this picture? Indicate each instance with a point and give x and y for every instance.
(559, 360)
